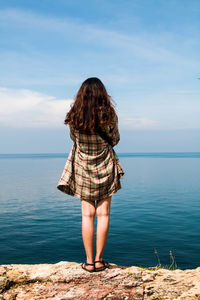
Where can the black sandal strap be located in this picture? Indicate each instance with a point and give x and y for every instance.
(105, 262)
(89, 264)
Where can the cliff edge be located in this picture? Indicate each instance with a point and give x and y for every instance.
(67, 280)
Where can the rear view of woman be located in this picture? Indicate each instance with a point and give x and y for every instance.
(92, 171)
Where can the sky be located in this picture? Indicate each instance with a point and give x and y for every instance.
(146, 52)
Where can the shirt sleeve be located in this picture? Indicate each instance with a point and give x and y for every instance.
(112, 131)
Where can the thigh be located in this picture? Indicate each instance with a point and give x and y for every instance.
(103, 206)
(88, 207)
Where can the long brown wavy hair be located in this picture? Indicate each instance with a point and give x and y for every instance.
(92, 107)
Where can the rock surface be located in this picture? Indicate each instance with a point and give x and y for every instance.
(67, 280)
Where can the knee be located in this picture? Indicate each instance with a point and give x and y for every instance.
(103, 212)
(88, 209)
(88, 213)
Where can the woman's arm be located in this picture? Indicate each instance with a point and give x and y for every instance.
(112, 132)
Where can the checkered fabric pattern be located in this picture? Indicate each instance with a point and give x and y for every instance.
(92, 170)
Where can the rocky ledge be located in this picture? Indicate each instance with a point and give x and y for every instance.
(67, 280)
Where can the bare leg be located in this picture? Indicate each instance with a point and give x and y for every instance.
(103, 214)
(88, 215)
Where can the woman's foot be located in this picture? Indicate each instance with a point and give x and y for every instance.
(101, 265)
(88, 267)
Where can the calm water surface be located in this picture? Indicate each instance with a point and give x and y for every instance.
(157, 207)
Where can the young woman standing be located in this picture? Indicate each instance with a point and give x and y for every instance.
(93, 170)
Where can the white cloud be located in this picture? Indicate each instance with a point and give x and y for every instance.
(139, 45)
(162, 111)
(129, 122)
(26, 108)
(23, 108)
(65, 49)
(187, 92)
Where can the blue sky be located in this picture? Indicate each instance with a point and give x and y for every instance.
(147, 53)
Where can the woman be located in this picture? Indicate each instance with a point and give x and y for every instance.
(93, 171)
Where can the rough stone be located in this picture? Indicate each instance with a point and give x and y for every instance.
(67, 280)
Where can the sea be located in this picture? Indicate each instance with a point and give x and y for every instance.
(154, 217)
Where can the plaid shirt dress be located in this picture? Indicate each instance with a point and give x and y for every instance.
(92, 170)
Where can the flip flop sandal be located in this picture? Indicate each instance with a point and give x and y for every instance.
(100, 268)
(106, 264)
(86, 264)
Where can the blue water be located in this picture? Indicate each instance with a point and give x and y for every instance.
(157, 207)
